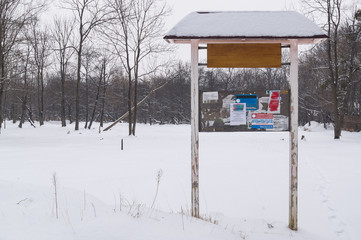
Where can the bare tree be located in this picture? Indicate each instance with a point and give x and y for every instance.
(333, 24)
(104, 68)
(350, 46)
(24, 100)
(108, 66)
(136, 27)
(103, 94)
(62, 32)
(89, 56)
(14, 15)
(332, 10)
(100, 80)
(41, 44)
(89, 14)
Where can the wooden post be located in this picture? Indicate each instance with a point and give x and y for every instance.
(195, 128)
(293, 194)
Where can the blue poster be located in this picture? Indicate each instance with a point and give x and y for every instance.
(251, 101)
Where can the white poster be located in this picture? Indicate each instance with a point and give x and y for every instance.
(238, 114)
(210, 97)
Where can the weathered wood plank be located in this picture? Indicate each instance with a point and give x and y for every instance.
(195, 128)
(293, 194)
(244, 55)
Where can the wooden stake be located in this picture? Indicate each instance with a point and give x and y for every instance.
(293, 194)
(195, 128)
(121, 144)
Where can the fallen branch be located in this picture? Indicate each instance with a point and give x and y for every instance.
(140, 102)
(27, 115)
(22, 201)
(30, 121)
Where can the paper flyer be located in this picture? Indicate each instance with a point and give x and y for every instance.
(210, 97)
(238, 114)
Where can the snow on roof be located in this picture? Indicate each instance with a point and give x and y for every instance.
(250, 24)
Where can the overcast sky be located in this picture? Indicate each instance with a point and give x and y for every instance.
(182, 7)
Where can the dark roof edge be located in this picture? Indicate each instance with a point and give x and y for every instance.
(173, 37)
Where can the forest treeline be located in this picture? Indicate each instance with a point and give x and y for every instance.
(98, 64)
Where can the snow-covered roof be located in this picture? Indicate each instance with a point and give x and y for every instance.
(245, 25)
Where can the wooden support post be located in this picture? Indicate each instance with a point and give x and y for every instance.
(195, 128)
(293, 194)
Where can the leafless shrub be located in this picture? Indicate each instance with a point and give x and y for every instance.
(158, 177)
(120, 202)
(209, 219)
(95, 212)
(243, 235)
(55, 184)
(182, 217)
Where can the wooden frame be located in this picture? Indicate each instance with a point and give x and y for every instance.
(293, 192)
(293, 160)
(195, 128)
(208, 28)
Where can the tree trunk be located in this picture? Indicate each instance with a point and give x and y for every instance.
(103, 98)
(1, 102)
(69, 114)
(86, 99)
(24, 100)
(337, 132)
(30, 109)
(62, 111)
(5, 98)
(42, 96)
(130, 101)
(2, 82)
(102, 109)
(77, 93)
(136, 72)
(333, 67)
(337, 125)
(96, 98)
(135, 103)
(13, 112)
(23, 111)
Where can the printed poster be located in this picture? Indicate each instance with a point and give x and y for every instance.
(274, 103)
(210, 97)
(238, 114)
(249, 99)
(262, 121)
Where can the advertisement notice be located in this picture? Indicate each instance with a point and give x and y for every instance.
(238, 114)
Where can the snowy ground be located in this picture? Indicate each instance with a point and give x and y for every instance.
(243, 184)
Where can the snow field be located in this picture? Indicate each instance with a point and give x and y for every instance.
(243, 184)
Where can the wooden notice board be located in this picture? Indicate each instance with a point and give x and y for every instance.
(244, 55)
(264, 110)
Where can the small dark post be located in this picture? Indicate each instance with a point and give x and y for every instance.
(121, 144)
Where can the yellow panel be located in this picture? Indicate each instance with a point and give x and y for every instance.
(244, 55)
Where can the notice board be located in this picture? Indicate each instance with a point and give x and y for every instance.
(232, 111)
